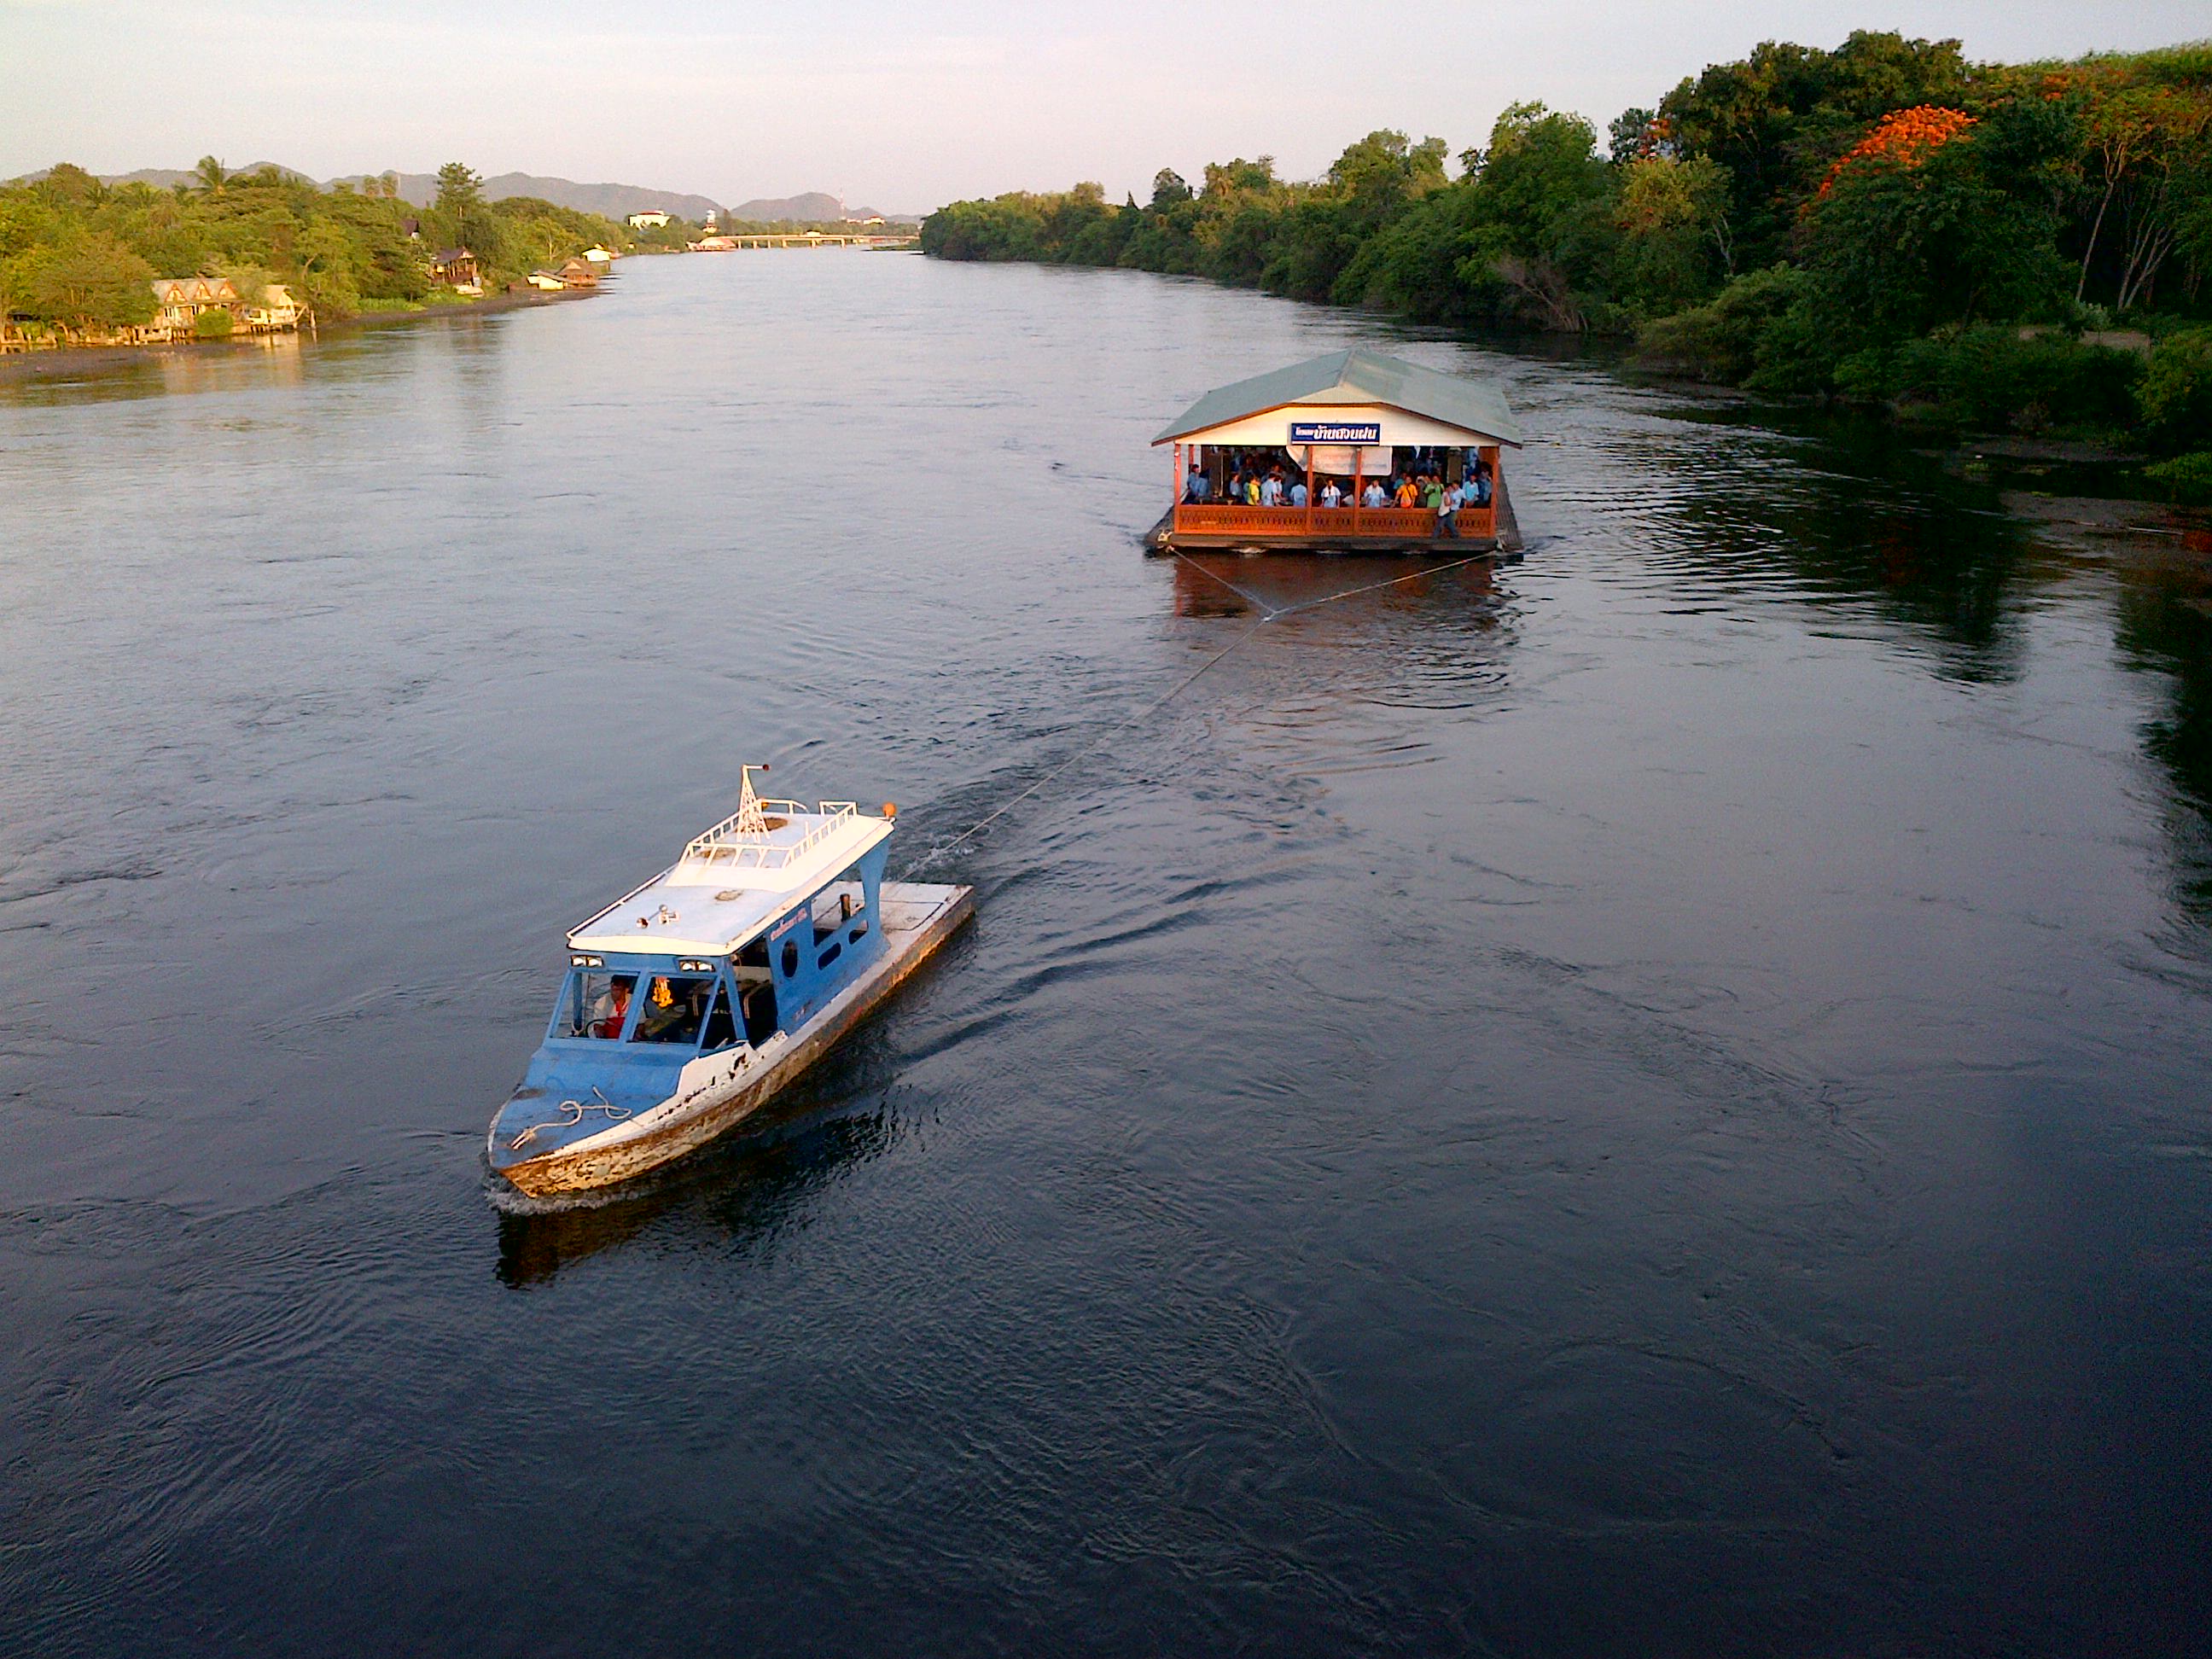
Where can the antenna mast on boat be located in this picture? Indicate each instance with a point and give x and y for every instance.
(751, 821)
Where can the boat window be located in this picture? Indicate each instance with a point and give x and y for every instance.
(829, 955)
(838, 903)
(595, 1004)
(790, 957)
(721, 1030)
(675, 1006)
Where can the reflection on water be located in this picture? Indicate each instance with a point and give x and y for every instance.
(737, 1195)
(2165, 628)
(1650, 1100)
(262, 361)
(1869, 524)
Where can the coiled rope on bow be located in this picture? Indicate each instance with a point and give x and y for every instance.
(575, 1109)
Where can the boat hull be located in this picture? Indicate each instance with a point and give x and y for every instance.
(930, 914)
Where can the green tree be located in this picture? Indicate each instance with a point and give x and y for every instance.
(71, 187)
(2176, 392)
(1635, 135)
(1673, 215)
(1540, 168)
(1777, 118)
(1383, 172)
(1009, 227)
(90, 282)
(1900, 245)
(459, 189)
(1753, 166)
(1742, 331)
(460, 217)
(251, 281)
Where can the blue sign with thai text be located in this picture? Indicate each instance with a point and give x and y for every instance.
(1335, 431)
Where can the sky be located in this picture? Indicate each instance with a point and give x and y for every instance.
(898, 106)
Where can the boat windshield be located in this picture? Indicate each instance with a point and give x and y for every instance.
(675, 1007)
(595, 1004)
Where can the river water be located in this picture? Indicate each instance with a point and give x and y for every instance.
(1651, 1102)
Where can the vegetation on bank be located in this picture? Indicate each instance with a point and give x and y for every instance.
(1884, 221)
(78, 257)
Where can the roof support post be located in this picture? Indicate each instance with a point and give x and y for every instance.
(1358, 482)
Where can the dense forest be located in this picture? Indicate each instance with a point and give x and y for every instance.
(1884, 221)
(78, 257)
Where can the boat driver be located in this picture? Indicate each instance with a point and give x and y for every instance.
(611, 1010)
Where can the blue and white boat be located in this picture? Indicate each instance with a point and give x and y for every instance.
(691, 1001)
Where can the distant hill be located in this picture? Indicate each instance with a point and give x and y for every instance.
(809, 208)
(170, 178)
(615, 201)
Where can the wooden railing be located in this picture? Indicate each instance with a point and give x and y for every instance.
(1210, 520)
(1386, 523)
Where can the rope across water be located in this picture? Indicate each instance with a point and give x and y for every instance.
(1267, 614)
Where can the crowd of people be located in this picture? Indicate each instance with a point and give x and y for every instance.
(1259, 478)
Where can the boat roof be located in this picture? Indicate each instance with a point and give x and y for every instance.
(1477, 407)
(735, 879)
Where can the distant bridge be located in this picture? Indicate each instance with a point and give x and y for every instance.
(729, 241)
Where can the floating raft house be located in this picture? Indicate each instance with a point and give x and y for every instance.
(1350, 416)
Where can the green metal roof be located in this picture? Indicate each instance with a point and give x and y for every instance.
(1356, 377)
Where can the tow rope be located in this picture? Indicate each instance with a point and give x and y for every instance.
(1267, 614)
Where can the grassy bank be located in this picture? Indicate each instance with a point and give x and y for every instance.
(77, 258)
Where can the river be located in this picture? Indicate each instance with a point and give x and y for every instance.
(1655, 1102)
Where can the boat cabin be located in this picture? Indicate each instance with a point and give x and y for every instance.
(1355, 450)
(755, 929)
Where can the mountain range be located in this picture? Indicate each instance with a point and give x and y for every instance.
(615, 201)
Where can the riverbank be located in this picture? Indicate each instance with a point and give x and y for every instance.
(68, 361)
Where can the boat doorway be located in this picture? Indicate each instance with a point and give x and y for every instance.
(755, 992)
